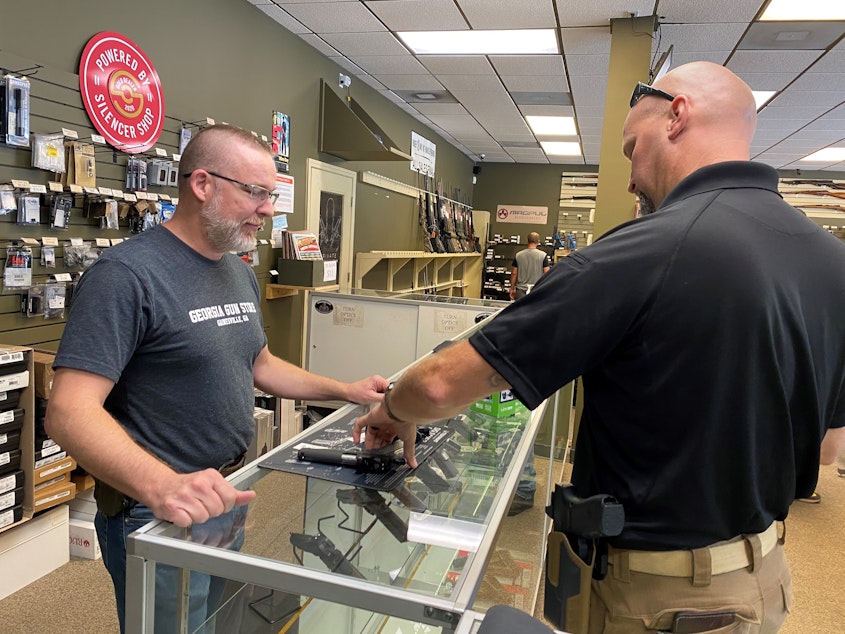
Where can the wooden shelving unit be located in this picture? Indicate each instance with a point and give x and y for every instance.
(453, 274)
(277, 291)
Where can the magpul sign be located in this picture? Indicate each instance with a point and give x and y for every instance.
(121, 92)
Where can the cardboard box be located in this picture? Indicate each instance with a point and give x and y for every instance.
(83, 539)
(500, 404)
(43, 371)
(53, 470)
(33, 549)
(306, 273)
(262, 441)
(54, 495)
(84, 481)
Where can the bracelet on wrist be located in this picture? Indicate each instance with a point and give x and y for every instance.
(386, 406)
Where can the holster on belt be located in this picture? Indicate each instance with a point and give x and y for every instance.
(109, 500)
(576, 554)
(567, 585)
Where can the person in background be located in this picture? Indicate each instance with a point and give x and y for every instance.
(713, 363)
(153, 389)
(528, 266)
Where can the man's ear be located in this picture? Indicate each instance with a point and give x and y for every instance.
(679, 113)
(200, 184)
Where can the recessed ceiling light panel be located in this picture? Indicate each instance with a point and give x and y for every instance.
(499, 42)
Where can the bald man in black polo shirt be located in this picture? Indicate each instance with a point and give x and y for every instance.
(709, 336)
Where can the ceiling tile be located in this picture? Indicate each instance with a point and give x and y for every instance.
(383, 43)
(335, 17)
(457, 64)
(528, 64)
(743, 62)
(320, 44)
(418, 15)
(283, 18)
(710, 11)
(535, 83)
(389, 64)
(500, 14)
(573, 13)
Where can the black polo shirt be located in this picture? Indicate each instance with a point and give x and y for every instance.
(711, 339)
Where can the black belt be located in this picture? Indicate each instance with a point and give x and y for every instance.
(233, 465)
(110, 501)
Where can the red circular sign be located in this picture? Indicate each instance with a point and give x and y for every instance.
(121, 92)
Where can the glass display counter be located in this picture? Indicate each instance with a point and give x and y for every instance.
(320, 556)
(312, 555)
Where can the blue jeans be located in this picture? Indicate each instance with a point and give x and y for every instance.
(206, 591)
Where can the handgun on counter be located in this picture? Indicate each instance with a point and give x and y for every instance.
(363, 461)
(374, 504)
(328, 553)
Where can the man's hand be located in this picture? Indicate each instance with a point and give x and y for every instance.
(194, 498)
(381, 431)
(369, 390)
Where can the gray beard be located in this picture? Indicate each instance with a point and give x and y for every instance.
(646, 206)
(225, 235)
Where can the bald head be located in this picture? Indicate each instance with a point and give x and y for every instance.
(709, 119)
(723, 103)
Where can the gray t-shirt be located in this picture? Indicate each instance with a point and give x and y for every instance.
(178, 334)
(530, 264)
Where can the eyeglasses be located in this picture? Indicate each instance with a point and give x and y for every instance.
(642, 90)
(256, 192)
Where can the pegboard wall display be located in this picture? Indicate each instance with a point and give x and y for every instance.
(66, 195)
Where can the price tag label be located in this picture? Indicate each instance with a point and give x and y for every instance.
(164, 197)
(105, 191)
(37, 189)
(92, 190)
(115, 241)
(160, 152)
(55, 187)
(264, 138)
(177, 158)
(50, 241)
(273, 272)
(75, 189)
(141, 195)
(130, 197)
(263, 241)
(103, 242)
(116, 193)
(152, 196)
(31, 241)
(209, 121)
(20, 184)
(63, 277)
(77, 242)
(98, 138)
(70, 134)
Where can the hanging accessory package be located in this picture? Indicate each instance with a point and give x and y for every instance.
(8, 200)
(48, 152)
(29, 209)
(14, 103)
(17, 275)
(60, 214)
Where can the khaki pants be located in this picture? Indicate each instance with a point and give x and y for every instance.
(628, 602)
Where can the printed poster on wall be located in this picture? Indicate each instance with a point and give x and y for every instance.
(331, 221)
(280, 140)
(524, 214)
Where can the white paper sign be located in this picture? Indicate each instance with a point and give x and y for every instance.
(423, 154)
